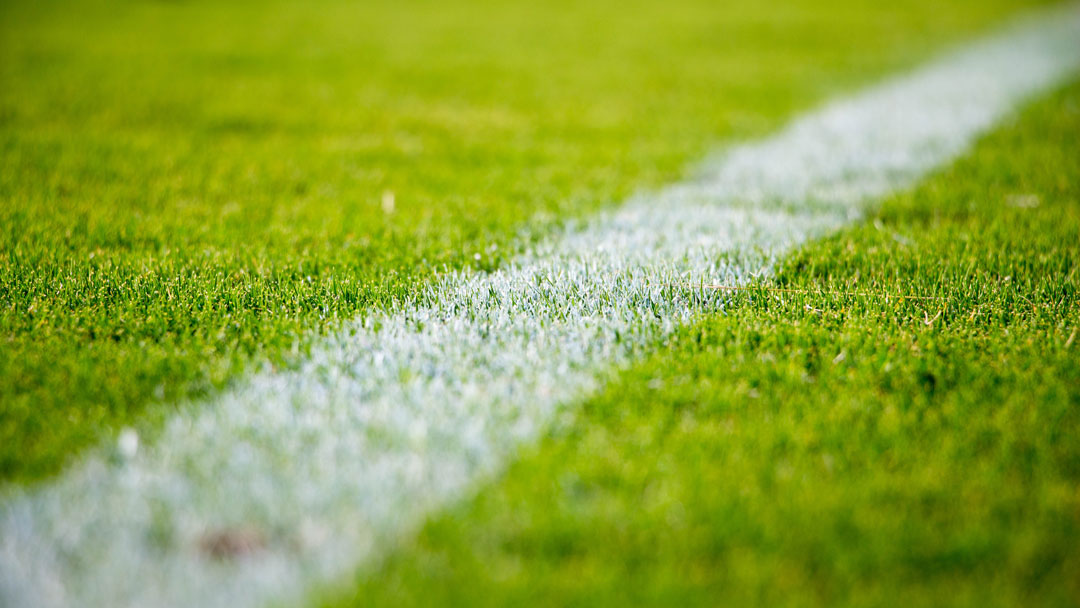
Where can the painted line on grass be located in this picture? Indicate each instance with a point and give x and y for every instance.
(295, 478)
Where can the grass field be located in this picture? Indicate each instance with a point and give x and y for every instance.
(192, 193)
(815, 449)
(190, 189)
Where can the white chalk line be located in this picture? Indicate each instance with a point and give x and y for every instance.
(317, 468)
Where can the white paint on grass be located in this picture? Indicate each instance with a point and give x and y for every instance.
(296, 477)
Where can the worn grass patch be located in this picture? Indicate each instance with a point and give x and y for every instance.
(815, 449)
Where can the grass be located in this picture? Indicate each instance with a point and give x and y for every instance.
(189, 189)
(817, 449)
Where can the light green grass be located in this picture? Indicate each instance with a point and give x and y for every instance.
(816, 449)
(190, 187)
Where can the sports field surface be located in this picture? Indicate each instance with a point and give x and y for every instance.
(576, 304)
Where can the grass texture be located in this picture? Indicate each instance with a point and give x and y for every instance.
(817, 449)
(187, 189)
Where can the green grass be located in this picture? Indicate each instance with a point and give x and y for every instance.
(816, 449)
(189, 189)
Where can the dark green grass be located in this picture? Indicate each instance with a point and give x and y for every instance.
(814, 449)
(190, 187)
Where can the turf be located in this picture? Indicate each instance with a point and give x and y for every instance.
(190, 189)
(820, 449)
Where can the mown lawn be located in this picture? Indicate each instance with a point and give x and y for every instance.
(819, 449)
(189, 189)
